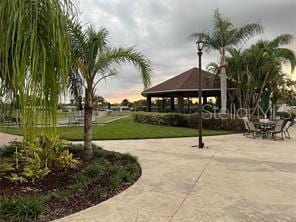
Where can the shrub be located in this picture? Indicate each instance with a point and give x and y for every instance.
(165, 119)
(5, 166)
(93, 170)
(34, 159)
(210, 121)
(217, 122)
(80, 179)
(6, 151)
(75, 149)
(115, 180)
(22, 208)
(129, 158)
(100, 192)
(61, 194)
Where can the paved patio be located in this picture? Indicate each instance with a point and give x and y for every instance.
(234, 179)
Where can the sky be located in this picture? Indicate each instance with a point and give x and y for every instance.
(160, 29)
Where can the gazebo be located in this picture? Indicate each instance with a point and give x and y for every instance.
(184, 85)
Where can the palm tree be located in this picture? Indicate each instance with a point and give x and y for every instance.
(224, 34)
(34, 49)
(93, 61)
(271, 56)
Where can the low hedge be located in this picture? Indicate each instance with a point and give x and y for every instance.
(217, 122)
(162, 119)
(210, 121)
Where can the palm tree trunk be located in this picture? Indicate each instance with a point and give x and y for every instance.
(239, 97)
(223, 80)
(88, 110)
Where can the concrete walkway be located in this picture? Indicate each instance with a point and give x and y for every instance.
(6, 138)
(234, 179)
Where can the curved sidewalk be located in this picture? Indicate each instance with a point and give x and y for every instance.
(234, 179)
(6, 138)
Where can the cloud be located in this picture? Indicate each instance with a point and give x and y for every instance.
(160, 30)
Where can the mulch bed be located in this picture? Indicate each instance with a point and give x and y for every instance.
(59, 180)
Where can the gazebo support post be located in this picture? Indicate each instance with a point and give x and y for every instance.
(148, 103)
(163, 105)
(204, 100)
(180, 104)
(172, 107)
(188, 105)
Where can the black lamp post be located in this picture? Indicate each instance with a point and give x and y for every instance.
(200, 44)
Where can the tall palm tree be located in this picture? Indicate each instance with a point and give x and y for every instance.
(93, 61)
(224, 34)
(34, 49)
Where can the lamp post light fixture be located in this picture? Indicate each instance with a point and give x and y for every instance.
(200, 45)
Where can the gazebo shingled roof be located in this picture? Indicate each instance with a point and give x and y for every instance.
(184, 85)
(184, 82)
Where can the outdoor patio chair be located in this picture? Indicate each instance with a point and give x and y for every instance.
(253, 130)
(286, 129)
(278, 128)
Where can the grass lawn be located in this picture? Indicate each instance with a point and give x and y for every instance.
(124, 129)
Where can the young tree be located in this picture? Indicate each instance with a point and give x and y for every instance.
(224, 34)
(93, 61)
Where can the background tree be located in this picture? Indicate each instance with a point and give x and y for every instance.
(99, 101)
(224, 34)
(93, 60)
(287, 93)
(139, 105)
(125, 102)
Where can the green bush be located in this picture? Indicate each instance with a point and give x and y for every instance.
(211, 121)
(129, 158)
(217, 122)
(36, 158)
(8, 150)
(80, 179)
(163, 119)
(93, 170)
(75, 149)
(100, 192)
(22, 208)
(62, 194)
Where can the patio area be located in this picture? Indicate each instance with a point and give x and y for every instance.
(234, 179)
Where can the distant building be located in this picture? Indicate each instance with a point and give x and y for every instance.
(120, 108)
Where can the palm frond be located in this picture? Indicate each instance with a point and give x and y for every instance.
(126, 55)
(287, 55)
(34, 54)
(246, 32)
(284, 39)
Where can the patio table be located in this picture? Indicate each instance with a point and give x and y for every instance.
(265, 126)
